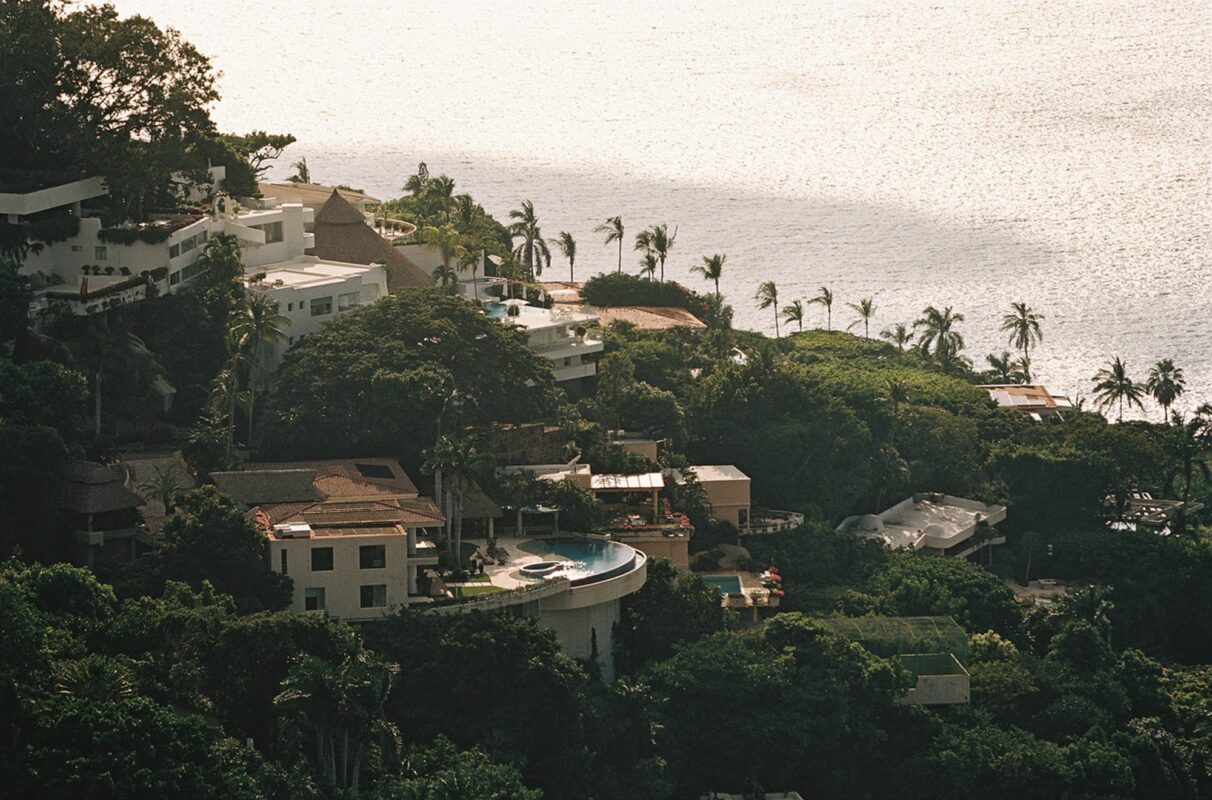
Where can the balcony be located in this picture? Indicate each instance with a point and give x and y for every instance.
(575, 371)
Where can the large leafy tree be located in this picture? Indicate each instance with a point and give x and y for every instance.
(670, 610)
(377, 379)
(210, 539)
(810, 709)
(87, 91)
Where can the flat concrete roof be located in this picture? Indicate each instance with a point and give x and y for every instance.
(306, 272)
(711, 473)
(44, 198)
(926, 520)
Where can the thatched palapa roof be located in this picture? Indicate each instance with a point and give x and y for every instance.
(343, 235)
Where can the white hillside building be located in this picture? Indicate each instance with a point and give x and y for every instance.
(310, 291)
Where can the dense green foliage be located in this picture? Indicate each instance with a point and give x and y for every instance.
(383, 378)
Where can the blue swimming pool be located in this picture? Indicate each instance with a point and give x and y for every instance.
(584, 560)
(724, 584)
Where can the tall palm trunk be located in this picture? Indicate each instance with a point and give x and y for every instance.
(620, 269)
(97, 404)
(776, 321)
(717, 290)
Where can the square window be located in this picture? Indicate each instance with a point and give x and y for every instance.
(321, 306)
(374, 596)
(174, 250)
(372, 556)
(347, 301)
(313, 599)
(321, 559)
(101, 253)
(77, 248)
(290, 306)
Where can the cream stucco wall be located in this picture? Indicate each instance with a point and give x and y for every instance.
(342, 584)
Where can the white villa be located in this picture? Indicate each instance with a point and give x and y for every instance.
(97, 267)
(558, 334)
(310, 291)
(938, 522)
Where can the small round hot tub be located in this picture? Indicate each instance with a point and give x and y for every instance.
(540, 568)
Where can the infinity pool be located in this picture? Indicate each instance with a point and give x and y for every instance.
(724, 584)
(583, 560)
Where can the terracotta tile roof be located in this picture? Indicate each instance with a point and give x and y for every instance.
(648, 318)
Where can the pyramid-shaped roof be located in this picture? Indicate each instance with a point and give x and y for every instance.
(342, 235)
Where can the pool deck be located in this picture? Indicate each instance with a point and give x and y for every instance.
(519, 551)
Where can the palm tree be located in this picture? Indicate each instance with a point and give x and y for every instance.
(613, 228)
(257, 323)
(1020, 370)
(416, 183)
(658, 240)
(1113, 386)
(648, 265)
(470, 260)
(446, 239)
(302, 173)
(532, 251)
(768, 297)
(1002, 366)
(865, 308)
(568, 246)
(1023, 326)
(825, 298)
(457, 458)
(94, 677)
(445, 276)
(939, 334)
(899, 335)
(1166, 383)
(343, 704)
(794, 313)
(711, 269)
(898, 393)
(467, 209)
(1187, 445)
(441, 192)
(163, 487)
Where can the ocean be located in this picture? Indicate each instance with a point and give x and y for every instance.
(957, 154)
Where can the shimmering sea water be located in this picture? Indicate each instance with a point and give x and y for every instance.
(956, 153)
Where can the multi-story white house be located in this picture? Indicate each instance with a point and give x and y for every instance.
(90, 267)
(559, 334)
(350, 534)
(310, 291)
